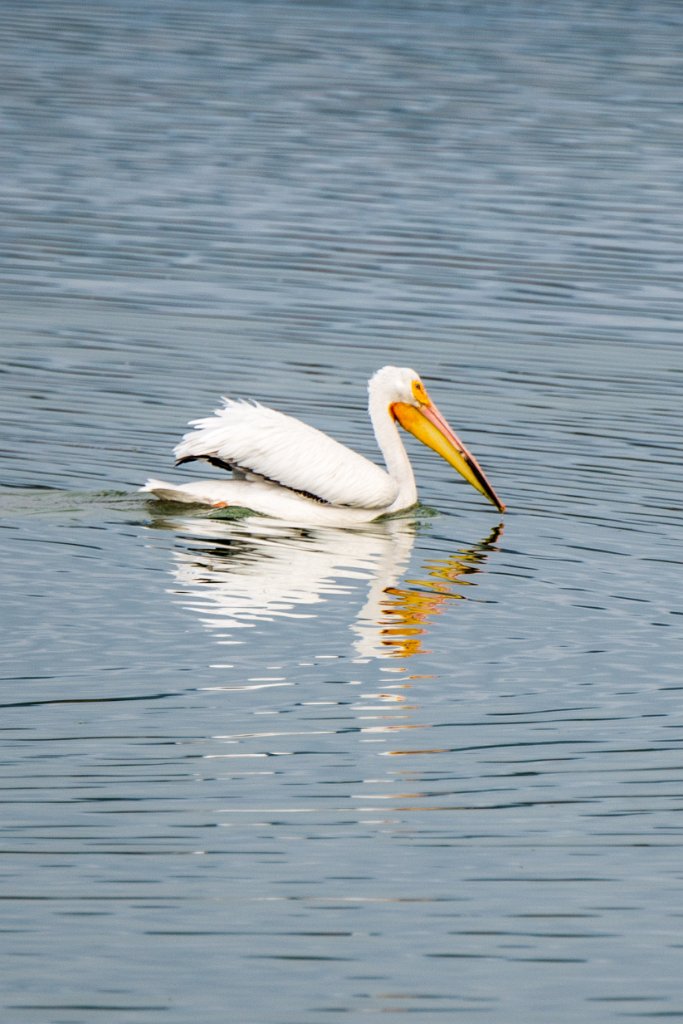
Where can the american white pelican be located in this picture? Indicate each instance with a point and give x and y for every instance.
(287, 470)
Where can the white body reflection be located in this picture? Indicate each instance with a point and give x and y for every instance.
(239, 574)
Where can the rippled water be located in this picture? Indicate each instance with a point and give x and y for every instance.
(428, 767)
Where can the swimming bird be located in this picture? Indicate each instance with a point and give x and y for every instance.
(288, 470)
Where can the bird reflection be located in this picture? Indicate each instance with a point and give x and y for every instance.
(405, 611)
(240, 574)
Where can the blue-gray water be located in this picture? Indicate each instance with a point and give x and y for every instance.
(434, 768)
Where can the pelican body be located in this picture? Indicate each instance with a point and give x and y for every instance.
(285, 469)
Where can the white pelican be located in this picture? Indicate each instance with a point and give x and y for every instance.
(287, 470)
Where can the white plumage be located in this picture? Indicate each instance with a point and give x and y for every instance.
(288, 470)
(262, 443)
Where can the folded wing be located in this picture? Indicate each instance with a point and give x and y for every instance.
(255, 441)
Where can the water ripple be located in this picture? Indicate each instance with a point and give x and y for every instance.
(428, 767)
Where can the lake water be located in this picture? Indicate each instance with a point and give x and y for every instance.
(432, 767)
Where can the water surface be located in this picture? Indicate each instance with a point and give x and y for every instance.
(429, 767)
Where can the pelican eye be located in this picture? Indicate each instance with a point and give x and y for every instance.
(420, 392)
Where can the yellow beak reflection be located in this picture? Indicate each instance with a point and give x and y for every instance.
(428, 425)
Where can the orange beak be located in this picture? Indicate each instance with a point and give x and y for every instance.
(427, 424)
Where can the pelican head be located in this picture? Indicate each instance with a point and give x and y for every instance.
(409, 404)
